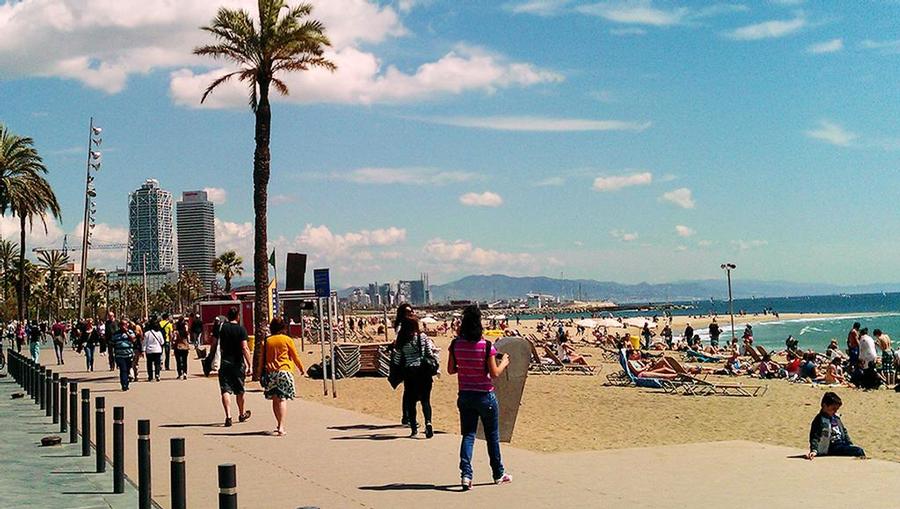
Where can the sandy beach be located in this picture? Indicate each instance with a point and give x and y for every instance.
(576, 412)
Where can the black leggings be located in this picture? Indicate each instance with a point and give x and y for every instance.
(181, 357)
(417, 387)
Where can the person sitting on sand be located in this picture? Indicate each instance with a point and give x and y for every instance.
(768, 368)
(827, 434)
(791, 344)
(808, 368)
(792, 368)
(834, 374)
(833, 351)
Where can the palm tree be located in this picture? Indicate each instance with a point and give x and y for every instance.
(54, 264)
(229, 264)
(9, 258)
(95, 290)
(285, 39)
(24, 192)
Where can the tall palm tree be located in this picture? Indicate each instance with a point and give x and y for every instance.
(54, 264)
(9, 258)
(284, 39)
(24, 192)
(95, 290)
(229, 264)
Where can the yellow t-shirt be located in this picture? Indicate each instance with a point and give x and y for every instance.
(280, 351)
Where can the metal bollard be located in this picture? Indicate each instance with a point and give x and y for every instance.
(143, 449)
(29, 373)
(227, 486)
(177, 473)
(73, 412)
(86, 422)
(63, 404)
(100, 426)
(118, 449)
(39, 390)
(54, 397)
(48, 393)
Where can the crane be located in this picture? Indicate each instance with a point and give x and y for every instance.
(66, 249)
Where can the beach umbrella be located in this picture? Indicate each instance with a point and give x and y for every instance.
(428, 320)
(610, 322)
(637, 321)
(587, 323)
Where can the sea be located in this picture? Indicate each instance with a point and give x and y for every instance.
(875, 311)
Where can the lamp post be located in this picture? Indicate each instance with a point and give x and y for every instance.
(90, 206)
(728, 267)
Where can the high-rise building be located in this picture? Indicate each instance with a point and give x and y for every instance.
(196, 216)
(412, 292)
(150, 228)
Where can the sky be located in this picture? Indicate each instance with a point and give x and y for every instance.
(626, 140)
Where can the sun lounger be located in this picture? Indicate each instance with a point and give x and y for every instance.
(538, 365)
(651, 383)
(702, 357)
(568, 368)
(754, 354)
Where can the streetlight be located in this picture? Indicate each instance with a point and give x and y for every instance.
(728, 267)
(94, 160)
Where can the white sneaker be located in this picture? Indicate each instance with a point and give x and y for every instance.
(466, 483)
(504, 479)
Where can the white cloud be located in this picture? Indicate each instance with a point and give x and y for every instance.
(52, 238)
(768, 29)
(681, 197)
(624, 236)
(101, 43)
(538, 7)
(637, 12)
(362, 79)
(390, 176)
(460, 254)
(744, 245)
(621, 32)
(216, 195)
(616, 182)
(539, 124)
(281, 199)
(236, 237)
(832, 46)
(485, 199)
(886, 47)
(832, 133)
(321, 240)
(684, 231)
(550, 182)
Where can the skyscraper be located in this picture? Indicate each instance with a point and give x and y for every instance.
(150, 228)
(196, 216)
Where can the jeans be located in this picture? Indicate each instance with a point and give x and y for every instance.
(167, 351)
(34, 348)
(473, 405)
(417, 387)
(89, 357)
(181, 357)
(124, 364)
(58, 349)
(845, 450)
(153, 366)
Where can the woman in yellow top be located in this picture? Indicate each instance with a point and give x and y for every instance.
(279, 358)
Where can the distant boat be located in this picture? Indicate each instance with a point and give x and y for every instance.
(844, 295)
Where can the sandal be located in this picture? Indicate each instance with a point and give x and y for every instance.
(244, 416)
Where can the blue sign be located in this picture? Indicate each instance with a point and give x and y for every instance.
(323, 282)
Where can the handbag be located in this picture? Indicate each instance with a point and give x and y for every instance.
(430, 365)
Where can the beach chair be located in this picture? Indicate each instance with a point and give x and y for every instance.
(537, 365)
(762, 351)
(748, 391)
(702, 357)
(568, 368)
(754, 354)
(650, 383)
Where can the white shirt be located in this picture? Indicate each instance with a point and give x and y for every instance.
(153, 341)
(867, 349)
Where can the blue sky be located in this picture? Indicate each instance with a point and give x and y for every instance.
(622, 140)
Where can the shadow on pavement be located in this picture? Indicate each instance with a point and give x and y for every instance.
(418, 487)
(370, 436)
(240, 434)
(88, 493)
(197, 425)
(367, 427)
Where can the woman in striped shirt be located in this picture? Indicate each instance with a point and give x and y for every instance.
(476, 365)
(410, 351)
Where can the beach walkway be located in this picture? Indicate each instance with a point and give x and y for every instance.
(333, 458)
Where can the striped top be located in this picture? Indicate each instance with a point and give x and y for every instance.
(471, 365)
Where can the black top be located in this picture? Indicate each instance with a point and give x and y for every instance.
(231, 335)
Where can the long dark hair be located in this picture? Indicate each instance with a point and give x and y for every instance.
(470, 328)
(409, 327)
(402, 311)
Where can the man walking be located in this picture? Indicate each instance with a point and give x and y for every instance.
(234, 364)
(167, 328)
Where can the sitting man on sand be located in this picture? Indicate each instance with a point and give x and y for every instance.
(827, 434)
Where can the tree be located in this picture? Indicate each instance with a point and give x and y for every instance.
(24, 192)
(285, 39)
(190, 288)
(229, 264)
(9, 258)
(54, 264)
(95, 290)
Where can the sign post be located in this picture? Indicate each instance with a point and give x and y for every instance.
(332, 315)
(323, 293)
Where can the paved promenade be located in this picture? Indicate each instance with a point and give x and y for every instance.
(333, 458)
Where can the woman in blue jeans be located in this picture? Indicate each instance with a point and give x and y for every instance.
(476, 364)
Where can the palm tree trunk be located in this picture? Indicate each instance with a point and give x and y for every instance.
(261, 161)
(227, 285)
(21, 303)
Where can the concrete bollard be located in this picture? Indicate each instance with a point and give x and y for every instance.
(48, 393)
(54, 397)
(100, 427)
(118, 449)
